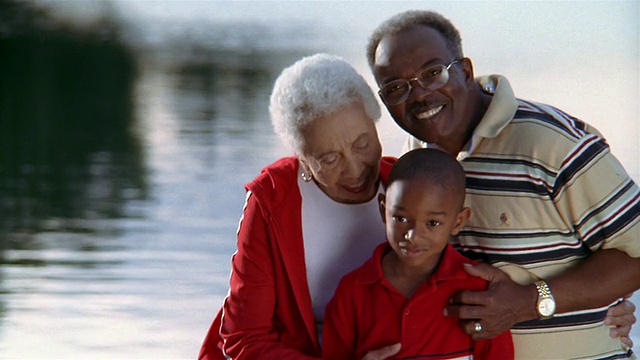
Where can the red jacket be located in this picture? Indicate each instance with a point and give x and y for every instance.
(268, 314)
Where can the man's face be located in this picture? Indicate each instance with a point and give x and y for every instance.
(442, 116)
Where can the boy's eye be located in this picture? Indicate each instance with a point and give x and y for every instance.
(401, 219)
(433, 223)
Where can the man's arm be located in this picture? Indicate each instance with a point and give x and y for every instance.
(599, 202)
(599, 280)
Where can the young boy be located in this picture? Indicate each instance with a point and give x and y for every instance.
(398, 295)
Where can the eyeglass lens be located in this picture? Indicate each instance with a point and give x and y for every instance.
(398, 91)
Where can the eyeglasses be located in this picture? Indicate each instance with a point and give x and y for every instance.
(432, 78)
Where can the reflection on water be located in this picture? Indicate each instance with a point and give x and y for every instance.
(69, 163)
(225, 79)
(66, 149)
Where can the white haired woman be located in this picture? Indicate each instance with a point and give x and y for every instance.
(309, 218)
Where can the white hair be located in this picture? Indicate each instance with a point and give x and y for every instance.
(313, 87)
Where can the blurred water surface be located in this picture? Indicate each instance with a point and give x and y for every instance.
(124, 146)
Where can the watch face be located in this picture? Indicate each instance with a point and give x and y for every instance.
(546, 307)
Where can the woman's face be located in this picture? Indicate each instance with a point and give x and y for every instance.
(342, 151)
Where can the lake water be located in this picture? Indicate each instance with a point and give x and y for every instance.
(120, 201)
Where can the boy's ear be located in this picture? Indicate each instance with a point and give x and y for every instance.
(381, 199)
(463, 216)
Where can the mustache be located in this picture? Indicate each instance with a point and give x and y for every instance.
(419, 106)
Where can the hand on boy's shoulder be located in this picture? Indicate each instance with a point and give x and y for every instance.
(497, 308)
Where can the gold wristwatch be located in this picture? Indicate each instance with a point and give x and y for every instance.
(546, 305)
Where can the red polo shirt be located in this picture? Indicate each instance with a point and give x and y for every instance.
(367, 313)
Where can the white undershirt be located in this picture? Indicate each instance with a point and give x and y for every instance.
(337, 239)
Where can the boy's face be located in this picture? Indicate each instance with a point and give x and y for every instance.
(420, 218)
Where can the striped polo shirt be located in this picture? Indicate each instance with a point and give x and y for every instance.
(545, 192)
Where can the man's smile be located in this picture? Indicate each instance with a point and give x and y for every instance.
(424, 115)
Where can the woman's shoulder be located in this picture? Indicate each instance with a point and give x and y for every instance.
(276, 178)
(386, 162)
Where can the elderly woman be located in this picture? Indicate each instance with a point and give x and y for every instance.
(308, 219)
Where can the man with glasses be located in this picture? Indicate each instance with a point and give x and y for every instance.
(553, 208)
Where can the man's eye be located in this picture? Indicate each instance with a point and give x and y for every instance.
(394, 87)
(429, 73)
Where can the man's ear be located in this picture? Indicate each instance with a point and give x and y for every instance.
(467, 67)
(461, 220)
(381, 205)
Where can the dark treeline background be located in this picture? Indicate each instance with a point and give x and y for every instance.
(67, 151)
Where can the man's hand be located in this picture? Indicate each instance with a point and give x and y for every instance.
(496, 309)
(384, 353)
(622, 316)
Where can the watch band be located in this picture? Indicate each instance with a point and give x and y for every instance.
(546, 305)
(543, 289)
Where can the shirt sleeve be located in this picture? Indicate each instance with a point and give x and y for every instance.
(248, 326)
(594, 193)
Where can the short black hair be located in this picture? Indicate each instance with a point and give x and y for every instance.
(409, 19)
(437, 167)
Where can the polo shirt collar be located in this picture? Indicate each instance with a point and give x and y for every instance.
(502, 107)
(501, 110)
(448, 269)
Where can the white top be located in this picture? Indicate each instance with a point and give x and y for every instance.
(337, 239)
